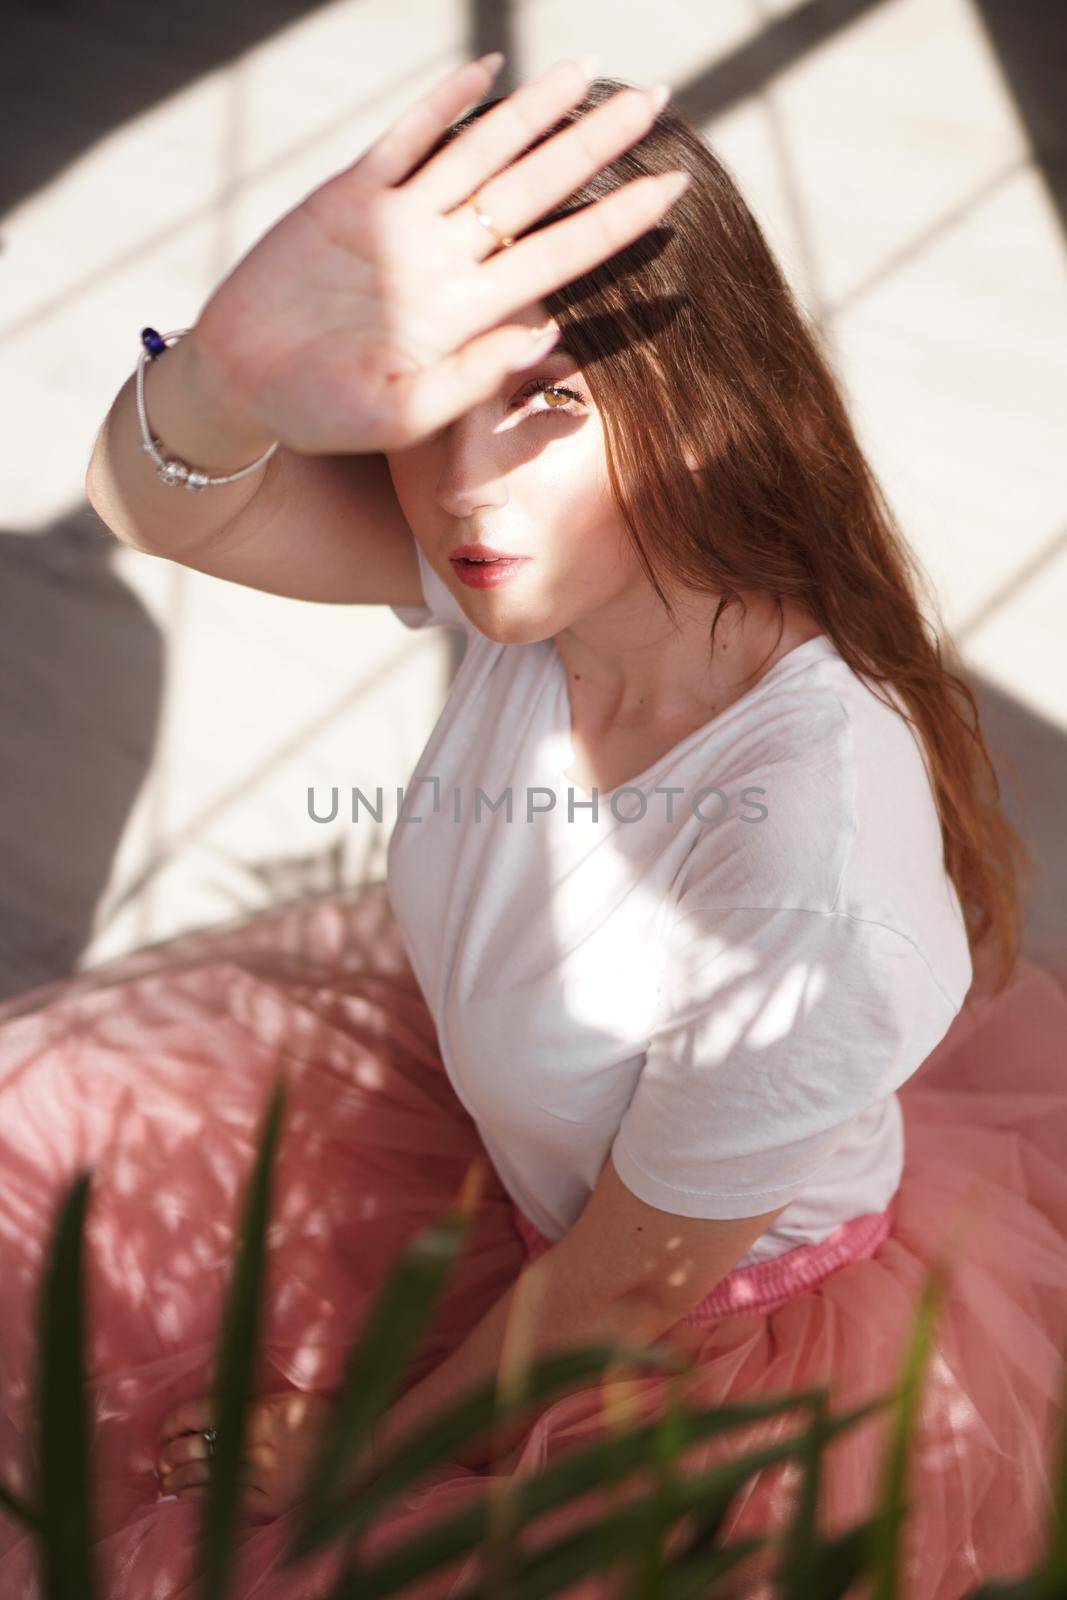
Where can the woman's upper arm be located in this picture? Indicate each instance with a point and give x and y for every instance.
(320, 527)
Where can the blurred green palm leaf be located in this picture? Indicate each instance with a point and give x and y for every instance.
(613, 1536)
(235, 1365)
(62, 1407)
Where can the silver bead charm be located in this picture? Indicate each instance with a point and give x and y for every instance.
(197, 480)
(172, 471)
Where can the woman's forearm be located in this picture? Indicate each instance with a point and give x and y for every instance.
(530, 1320)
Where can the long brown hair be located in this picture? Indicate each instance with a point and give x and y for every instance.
(696, 351)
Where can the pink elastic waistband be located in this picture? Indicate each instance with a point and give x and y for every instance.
(764, 1285)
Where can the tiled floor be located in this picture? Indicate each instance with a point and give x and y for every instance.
(161, 728)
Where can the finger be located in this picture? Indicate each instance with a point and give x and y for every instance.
(555, 255)
(491, 141)
(186, 1447)
(256, 1502)
(517, 197)
(389, 160)
(187, 1417)
(253, 1504)
(259, 1423)
(430, 400)
(199, 1471)
(182, 1477)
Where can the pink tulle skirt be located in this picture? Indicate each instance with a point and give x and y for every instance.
(155, 1071)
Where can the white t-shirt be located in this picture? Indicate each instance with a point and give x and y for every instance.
(726, 993)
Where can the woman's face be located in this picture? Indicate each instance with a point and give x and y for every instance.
(524, 473)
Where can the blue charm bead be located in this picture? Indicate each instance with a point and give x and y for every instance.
(152, 342)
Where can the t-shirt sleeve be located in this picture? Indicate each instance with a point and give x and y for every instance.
(439, 604)
(776, 1028)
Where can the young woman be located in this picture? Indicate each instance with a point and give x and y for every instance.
(705, 944)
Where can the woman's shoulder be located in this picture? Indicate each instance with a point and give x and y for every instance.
(839, 818)
(839, 756)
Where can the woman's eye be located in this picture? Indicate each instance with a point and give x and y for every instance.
(552, 393)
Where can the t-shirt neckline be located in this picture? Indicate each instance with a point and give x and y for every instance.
(819, 644)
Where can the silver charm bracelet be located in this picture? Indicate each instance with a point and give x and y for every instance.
(172, 469)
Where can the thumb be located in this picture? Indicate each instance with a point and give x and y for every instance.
(472, 374)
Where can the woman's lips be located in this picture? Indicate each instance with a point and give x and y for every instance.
(487, 574)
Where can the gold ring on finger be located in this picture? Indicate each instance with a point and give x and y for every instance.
(503, 241)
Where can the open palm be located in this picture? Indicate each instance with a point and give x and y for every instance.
(375, 312)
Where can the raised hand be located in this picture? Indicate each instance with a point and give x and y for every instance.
(375, 312)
